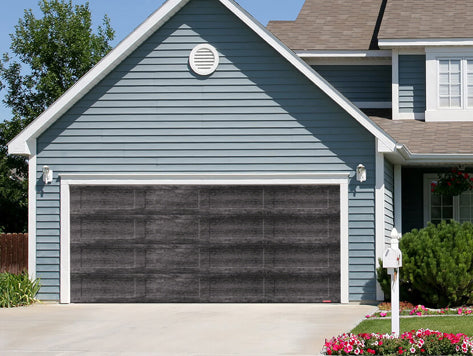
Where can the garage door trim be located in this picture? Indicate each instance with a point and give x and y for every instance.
(341, 179)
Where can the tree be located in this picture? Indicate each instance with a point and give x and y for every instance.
(50, 54)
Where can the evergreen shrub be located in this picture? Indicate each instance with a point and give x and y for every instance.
(437, 265)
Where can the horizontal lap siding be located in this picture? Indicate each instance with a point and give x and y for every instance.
(256, 113)
(412, 79)
(360, 83)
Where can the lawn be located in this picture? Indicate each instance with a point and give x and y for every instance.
(446, 324)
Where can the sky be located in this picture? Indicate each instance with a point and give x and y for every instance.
(126, 15)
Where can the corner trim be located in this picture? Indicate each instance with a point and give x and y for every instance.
(32, 211)
(379, 201)
(67, 180)
(395, 84)
(398, 197)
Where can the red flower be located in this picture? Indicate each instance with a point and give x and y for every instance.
(370, 351)
(422, 350)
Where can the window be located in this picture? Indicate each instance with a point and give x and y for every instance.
(455, 83)
(438, 208)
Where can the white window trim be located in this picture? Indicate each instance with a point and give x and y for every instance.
(433, 111)
(428, 178)
(464, 86)
(67, 180)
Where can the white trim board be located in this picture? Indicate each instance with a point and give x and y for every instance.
(19, 145)
(262, 179)
(424, 42)
(343, 54)
(32, 213)
(379, 214)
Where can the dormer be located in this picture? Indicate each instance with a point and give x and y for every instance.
(432, 59)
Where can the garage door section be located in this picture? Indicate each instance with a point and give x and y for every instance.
(205, 244)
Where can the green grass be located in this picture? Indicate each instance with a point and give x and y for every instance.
(447, 324)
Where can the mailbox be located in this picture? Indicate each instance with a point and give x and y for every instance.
(392, 258)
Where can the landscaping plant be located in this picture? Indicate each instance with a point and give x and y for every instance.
(420, 342)
(437, 266)
(17, 290)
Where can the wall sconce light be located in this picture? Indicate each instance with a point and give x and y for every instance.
(47, 175)
(361, 173)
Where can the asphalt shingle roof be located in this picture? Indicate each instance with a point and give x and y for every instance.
(416, 19)
(330, 25)
(430, 137)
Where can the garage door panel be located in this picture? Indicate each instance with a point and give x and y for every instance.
(236, 287)
(234, 256)
(296, 228)
(106, 288)
(162, 288)
(232, 228)
(302, 287)
(316, 256)
(109, 257)
(103, 198)
(173, 228)
(88, 228)
(172, 198)
(172, 257)
(300, 197)
(235, 197)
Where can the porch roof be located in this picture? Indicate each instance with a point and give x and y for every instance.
(429, 137)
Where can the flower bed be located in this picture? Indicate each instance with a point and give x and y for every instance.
(421, 310)
(420, 342)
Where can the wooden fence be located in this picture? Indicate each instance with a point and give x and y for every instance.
(13, 253)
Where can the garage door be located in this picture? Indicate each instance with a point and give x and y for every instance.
(205, 244)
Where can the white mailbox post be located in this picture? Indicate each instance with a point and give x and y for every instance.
(392, 260)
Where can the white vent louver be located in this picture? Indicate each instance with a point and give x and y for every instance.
(204, 59)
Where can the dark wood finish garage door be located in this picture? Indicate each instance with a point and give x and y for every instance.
(207, 244)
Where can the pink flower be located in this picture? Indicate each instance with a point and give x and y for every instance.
(368, 316)
(383, 314)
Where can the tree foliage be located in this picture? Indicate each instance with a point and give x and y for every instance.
(50, 53)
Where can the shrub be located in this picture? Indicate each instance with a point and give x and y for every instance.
(17, 290)
(420, 342)
(437, 266)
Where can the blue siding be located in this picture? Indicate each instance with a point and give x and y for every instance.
(388, 198)
(360, 83)
(255, 114)
(412, 83)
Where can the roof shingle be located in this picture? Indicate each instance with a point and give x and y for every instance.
(430, 137)
(427, 19)
(330, 25)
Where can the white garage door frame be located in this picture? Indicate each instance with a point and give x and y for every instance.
(341, 179)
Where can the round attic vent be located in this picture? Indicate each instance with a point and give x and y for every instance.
(204, 59)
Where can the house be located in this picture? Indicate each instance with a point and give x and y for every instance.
(210, 159)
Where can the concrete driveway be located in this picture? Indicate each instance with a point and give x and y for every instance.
(178, 329)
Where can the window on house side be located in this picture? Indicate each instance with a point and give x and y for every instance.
(455, 83)
(450, 82)
(438, 208)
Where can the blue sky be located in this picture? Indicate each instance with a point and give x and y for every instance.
(126, 15)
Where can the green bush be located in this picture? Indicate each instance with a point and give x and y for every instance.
(17, 290)
(437, 265)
